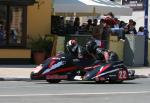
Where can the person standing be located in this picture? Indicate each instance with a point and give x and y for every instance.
(140, 31)
(96, 30)
(131, 27)
(2, 33)
(76, 25)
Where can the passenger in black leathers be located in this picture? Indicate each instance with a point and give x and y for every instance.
(100, 54)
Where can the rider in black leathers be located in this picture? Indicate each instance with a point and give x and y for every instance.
(78, 54)
(76, 51)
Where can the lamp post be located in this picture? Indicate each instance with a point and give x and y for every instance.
(146, 32)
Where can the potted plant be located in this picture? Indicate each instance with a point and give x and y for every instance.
(41, 49)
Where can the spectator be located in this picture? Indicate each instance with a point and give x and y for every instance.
(110, 14)
(96, 30)
(140, 31)
(101, 27)
(95, 21)
(77, 24)
(122, 24)
(110, 20)
(2, 33)
(69, 27)
(116, 30)
(131, 27)
(106, 33)
(126, 30)
(82, 29)
(89, 26)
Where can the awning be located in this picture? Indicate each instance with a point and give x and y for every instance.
(89, 7)
(17, 2)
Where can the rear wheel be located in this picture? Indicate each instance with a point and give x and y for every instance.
(53, 80)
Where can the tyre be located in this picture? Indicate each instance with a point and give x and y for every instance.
(53, 80)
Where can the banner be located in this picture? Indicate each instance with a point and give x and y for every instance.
(135, 4)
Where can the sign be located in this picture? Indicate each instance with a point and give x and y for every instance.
(135, 4)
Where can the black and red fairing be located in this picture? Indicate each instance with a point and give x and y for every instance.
(54, 65)
(107, 71)
(58, 66)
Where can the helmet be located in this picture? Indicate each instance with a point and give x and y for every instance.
(91, 46)
(72, 45)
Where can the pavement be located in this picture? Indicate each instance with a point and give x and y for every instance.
(22, 72)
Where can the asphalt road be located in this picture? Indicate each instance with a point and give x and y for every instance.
(136, 91)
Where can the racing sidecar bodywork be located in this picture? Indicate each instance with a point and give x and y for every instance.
(58, 68)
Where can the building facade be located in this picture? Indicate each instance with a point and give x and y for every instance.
(20, 20)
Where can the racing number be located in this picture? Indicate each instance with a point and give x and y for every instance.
(122, 74)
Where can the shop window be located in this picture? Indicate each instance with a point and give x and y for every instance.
(2, 24)
(11, 26)
(16, 25)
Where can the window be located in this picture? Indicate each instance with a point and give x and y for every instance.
(2, 24)
(137, 5)
(12, 26)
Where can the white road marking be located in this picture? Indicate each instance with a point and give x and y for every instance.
(24, 87)
(76, 94)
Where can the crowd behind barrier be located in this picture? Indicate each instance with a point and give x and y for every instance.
(100, 29)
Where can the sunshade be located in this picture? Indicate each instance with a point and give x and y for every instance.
(89, 7)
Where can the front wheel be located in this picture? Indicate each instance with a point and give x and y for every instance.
(53, 80)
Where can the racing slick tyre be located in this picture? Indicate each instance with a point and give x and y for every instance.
(53, 80)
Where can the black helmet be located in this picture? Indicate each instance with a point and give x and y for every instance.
(72, 45)
(91, 46)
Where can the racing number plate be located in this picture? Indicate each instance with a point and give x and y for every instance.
(56, 76)
(122, 74)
